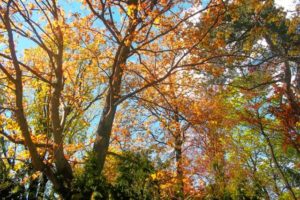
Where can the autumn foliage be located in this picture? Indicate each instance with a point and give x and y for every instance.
(149, 99)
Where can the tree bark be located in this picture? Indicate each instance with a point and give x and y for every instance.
(178, 155)
(289, 91)
(108, 114)
(105, 124)
(62, 165)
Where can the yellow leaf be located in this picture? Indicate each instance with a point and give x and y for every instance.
(157, 20)
(131, 9)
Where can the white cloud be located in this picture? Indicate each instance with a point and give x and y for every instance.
(288, 5)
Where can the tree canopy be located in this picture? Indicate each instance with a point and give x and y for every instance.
(149, 99)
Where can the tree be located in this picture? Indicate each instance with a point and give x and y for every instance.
(209, 88)
(135, 40)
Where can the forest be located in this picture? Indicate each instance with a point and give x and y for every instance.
(149, 100)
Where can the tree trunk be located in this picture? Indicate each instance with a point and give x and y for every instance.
(63, 167)
(37, 161)
(108, 114)
(178, 155)
(179, 170)
(289, 91)
(113, 95)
